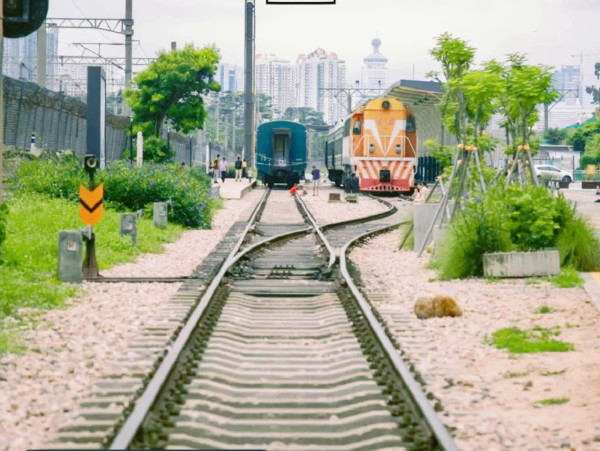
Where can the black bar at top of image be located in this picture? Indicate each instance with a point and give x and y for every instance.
(300, 2)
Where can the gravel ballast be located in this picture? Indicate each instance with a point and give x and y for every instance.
(489, 396)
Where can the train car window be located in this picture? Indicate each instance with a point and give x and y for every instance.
(410, 124)
(357, 128)
(347, 128)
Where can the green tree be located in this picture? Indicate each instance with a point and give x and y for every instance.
(595, 92)
(304, 115)
(555, 136)
(456, 57)
(172, 88)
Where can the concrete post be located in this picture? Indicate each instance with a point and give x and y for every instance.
(129, 226)
(140, 149)
(70, 255)
(160, 214)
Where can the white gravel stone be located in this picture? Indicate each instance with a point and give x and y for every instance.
(492, 400)
(69, 349)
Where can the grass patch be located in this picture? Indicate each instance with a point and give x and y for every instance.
(545, 309)
(29, 274)
(532, 281)
(552, 401)
(539, 339)
(492, 279)
(553, 373)
(511, 374)
(571, 326)
(568, 278)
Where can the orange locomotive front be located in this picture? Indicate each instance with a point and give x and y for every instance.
(383, 146)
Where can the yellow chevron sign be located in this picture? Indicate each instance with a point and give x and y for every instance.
(90, 204)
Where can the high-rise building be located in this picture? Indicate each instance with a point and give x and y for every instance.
(374, 71)
(318, 78)
(567, 81)
(230, 77)
(273, 77)
(20, 57)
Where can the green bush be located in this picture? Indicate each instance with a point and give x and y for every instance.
(578, 245)
(3, 216)
(479, 228)
(126, 187)
(514, 219)
(157, 150)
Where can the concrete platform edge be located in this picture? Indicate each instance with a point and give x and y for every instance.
(591, 288)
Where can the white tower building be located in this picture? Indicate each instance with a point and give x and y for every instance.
(374, 71)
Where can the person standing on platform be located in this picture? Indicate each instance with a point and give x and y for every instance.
(215, 169)
(223, 167)
(316, 175)
(238, 170)
(244, 169)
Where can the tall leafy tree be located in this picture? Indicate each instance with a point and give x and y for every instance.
(595, 92)
(456, 57)
(172, 88)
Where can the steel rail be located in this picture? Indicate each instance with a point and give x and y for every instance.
(143, 404)
(438, 429)
(311, 218)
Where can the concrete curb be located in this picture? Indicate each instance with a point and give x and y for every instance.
(591, 285)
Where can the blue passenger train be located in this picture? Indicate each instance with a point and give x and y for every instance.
(281, 152)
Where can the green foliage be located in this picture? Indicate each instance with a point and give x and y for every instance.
(568, 278)
(126, 187)
(545, 309)
(511, 218)
(552, 401)
(3, 216)
(538, 339)
(555, 136)
(578, 245)
(579, 136)
(129, 188)
(443, 154)
(172, 88)
(480, 228)
(157, 150)
(29, 275)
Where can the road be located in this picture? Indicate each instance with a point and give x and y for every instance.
(585, 200)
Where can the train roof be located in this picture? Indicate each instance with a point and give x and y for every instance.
(282, 124)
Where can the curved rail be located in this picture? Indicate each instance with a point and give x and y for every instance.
(438, 429)
(143, 404)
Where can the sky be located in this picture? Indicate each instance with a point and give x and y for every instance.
(550, 32)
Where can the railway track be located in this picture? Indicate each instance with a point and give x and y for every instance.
(282, 353)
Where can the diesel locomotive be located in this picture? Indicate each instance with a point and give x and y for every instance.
(281, 152)
(378, 144)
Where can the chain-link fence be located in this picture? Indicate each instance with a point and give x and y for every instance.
(58, 121)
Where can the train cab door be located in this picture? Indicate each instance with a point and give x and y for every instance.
(282, 139)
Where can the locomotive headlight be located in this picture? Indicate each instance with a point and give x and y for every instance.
(398, 148)
(371, 147)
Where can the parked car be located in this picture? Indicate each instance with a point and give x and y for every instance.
(553, 173)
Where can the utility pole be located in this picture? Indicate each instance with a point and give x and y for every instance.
(249, 78)
(128, 50)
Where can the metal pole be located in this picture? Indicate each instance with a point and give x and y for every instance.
(128, 41)
(41, 55)
(249, 78)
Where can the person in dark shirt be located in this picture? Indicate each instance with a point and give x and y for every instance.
(316, 175)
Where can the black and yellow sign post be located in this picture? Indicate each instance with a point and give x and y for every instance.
(90, 211)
